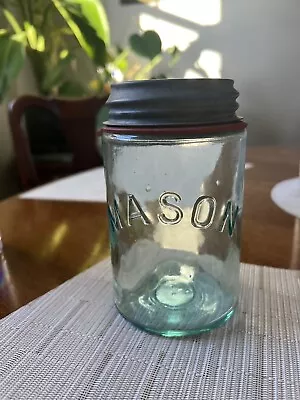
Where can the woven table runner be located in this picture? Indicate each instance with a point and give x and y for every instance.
(71, 343)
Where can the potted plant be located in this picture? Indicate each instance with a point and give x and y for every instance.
(62, 39)
(54, 34)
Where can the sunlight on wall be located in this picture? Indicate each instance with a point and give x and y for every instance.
(208, 65)
(171, 34)
(192, 74)
(202, 12)
(211, 62)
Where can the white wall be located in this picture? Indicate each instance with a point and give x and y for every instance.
(256, 43)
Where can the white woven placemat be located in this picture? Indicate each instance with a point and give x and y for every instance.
(72, 344)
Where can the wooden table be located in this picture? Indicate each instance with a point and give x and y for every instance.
(48, 242)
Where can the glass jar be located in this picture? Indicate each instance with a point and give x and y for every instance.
(175, 198)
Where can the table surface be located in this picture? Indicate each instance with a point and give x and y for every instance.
(48, 242)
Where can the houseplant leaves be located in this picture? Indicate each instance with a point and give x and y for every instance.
(80, 19)
(12, 59)
(95, 14)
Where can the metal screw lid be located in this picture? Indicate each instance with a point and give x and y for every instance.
(172, 102)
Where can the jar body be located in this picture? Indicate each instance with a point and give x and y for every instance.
(175, 207)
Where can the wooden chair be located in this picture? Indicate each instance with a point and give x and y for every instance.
(74, 138)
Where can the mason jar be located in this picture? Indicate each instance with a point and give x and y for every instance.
(174, 156)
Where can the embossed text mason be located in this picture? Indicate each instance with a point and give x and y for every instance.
(170, 201)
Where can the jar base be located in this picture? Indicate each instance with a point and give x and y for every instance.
(172, 333)
(177, 305)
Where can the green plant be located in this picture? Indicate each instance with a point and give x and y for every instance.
(11, 61)
(52, 33)
(57, 36)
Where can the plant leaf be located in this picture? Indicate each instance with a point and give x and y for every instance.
(64, 53)
(12, 60)
(40, 44)
(147, 45)
(12, 21)
(31, 35)
(82, 29)
(98, 49)
(95, 14)
(62, 9)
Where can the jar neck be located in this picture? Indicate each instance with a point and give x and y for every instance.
(200, 130)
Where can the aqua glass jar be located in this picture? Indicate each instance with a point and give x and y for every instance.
(174, 155)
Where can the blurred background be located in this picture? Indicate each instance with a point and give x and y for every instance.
(65, 55)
